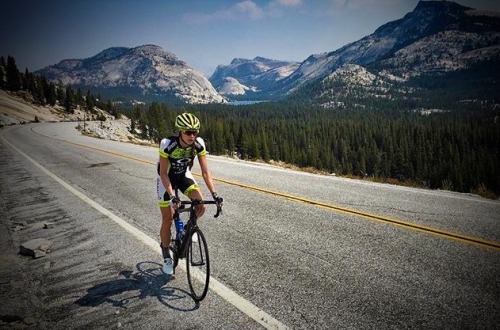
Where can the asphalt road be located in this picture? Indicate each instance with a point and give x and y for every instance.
(277, 261)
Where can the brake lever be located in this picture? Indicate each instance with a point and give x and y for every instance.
(219, 209)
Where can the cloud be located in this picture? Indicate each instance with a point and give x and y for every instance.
(287, 3)
(352, 4)
(397, 4)
(243, 10)
(334, 8)
(247, 8)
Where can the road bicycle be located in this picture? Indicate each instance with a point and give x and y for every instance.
(189, 243)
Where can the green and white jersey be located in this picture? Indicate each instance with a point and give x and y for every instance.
(180, 159)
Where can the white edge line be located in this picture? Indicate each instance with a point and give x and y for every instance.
(229, 295)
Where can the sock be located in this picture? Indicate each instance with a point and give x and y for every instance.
(165, 252)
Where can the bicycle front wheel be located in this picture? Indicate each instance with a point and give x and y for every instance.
(174, 246)
(198, 265)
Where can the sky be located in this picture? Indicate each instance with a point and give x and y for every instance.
(202, 33)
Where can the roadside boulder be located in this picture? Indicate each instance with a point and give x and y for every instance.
(36, 248)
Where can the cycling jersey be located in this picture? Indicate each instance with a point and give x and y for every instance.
(180, 162)
(180, 159)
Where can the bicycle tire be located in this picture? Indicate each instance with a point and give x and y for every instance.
(198, 266)
(174, 246)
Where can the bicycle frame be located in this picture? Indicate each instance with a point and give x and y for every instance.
(192, 222)
(197, 256)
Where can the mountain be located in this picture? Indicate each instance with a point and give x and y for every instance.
(439, 42)
(244, 76)
(440, 47)
(144, 73)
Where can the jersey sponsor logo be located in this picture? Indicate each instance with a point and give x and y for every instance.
(179, 166)
(181, 153)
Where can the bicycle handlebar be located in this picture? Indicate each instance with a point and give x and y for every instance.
(198, 202)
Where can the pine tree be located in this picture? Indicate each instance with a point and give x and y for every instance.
(2, 73)
(51, 94)
(61, 94)
(38, 90)
(28, 82)
(69, 100)
(79, 98)
(266, 156)
(89, 101)
(13, 76)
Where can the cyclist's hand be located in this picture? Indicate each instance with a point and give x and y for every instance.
(217, 198)
(175, 202)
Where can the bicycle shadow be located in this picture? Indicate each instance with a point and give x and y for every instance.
(147, 281)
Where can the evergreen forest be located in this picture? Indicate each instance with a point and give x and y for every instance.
(455, 148)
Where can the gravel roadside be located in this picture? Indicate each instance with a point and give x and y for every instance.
(51, 291)
(20, 284)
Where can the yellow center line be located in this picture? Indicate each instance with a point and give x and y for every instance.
(408, 225)
(374, 217)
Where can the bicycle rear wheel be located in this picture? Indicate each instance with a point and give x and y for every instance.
(198, 265)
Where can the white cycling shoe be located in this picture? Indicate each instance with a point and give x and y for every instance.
(194, 238)
(168, 266)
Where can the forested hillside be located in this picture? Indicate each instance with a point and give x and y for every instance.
(454, 150)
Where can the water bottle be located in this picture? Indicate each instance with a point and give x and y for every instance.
(179, 228)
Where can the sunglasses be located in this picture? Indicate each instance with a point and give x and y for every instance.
(190, 133)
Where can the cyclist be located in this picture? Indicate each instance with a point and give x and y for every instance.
(176, 158)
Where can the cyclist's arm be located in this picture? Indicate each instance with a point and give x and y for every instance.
(164, 165)
(205, 172)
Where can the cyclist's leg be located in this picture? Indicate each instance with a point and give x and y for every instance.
(166, 216)
(196, 194)
(191, 189)
(166, 223)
